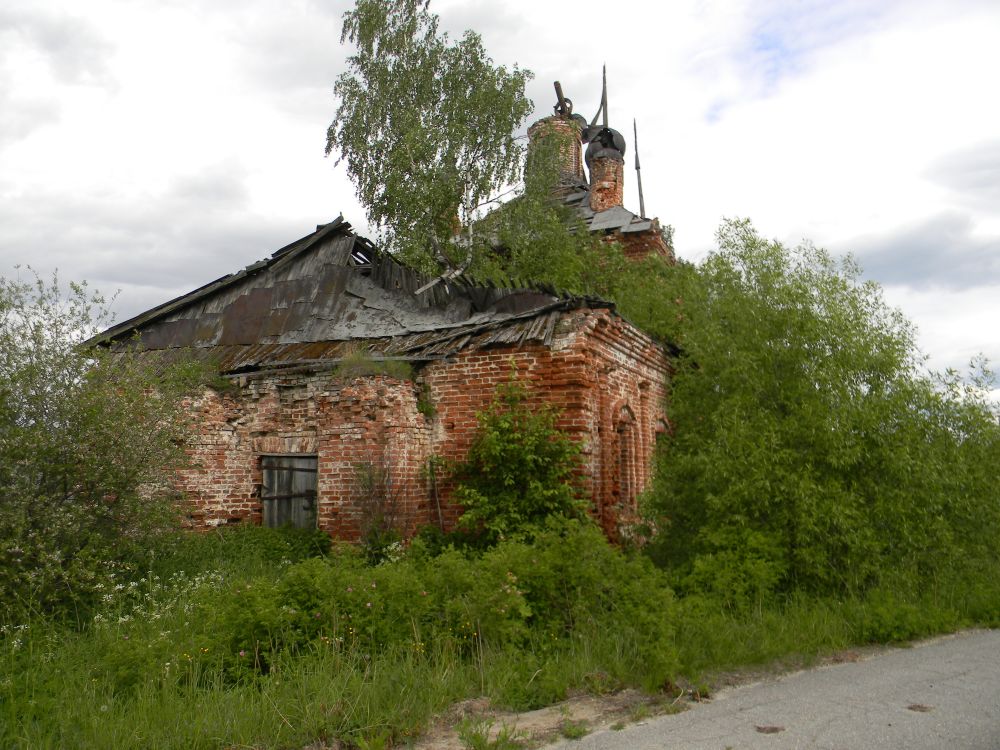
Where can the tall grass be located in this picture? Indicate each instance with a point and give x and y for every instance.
(712, 638)
(153, 669)
(52, 698)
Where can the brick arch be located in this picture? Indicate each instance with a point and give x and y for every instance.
(626, 454)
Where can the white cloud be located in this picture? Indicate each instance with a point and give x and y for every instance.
(953, 327)
(156, 144)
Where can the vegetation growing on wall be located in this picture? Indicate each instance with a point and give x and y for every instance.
(519, 470)
(362, 364)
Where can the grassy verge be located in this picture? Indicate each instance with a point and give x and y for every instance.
(713, 638)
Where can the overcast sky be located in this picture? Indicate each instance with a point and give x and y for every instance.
(151, 146)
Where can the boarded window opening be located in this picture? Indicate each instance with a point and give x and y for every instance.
(288, 491)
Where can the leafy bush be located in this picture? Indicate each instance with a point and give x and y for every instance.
(378, 499)
(886, 617)
(519, 470)
(565, 588)
(574, 582)
(244, 547)
(809, 452)
(87, 440)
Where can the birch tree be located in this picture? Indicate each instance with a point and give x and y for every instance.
(426, 126)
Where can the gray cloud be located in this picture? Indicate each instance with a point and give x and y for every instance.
(973, 173)
(75, 50)
(221, 186)
(942, 252)
(151, 247)
(484, 17)
(297, 53)
(75, 53)
(19, 118)
(290, 55)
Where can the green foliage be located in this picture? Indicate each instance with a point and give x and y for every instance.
(570, 581)
(425, 404)
(808, 452)
(160, 665)
(330, 648)
(425, 124)
(478, 734)
(887, 617)
(87, 441)
(362, 365)
(803, 628)
(574, 730)
(519, 469)
(543, 597)
(537, 238)
(244, 547)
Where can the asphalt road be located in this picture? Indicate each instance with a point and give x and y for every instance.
(939, 694)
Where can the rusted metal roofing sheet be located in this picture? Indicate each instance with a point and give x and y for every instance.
(328, 295)
(534, 327)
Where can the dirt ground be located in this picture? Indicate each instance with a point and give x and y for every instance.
(585, 713)
(582, 713)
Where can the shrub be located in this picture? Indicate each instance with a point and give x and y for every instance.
(567, 587)
(245, 547)
(809, 451)
(519, 470)
(378, 498)
(574, 583)
(87, 440)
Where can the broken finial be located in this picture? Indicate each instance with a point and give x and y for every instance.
(563, 106)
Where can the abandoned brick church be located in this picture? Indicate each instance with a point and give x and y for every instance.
(285, 440)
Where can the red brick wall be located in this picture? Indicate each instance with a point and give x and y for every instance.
(605, 376)
(372, 420)
(565, 133)
(607, 183)
(638, 245)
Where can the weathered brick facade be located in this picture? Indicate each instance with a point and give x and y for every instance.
(294, 438)
(607, 183)
(598, 200)
(605, 376)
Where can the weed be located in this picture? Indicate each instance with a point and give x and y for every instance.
(377, 495)
(363, 364)
(641, 712)
(475, 735)
(601, 683)
(574, 730)
(270, 643)
(425, 405)
(378, 740)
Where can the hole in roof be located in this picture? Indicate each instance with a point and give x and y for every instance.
(361, 256)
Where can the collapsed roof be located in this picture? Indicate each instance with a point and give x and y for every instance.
(322, 296)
